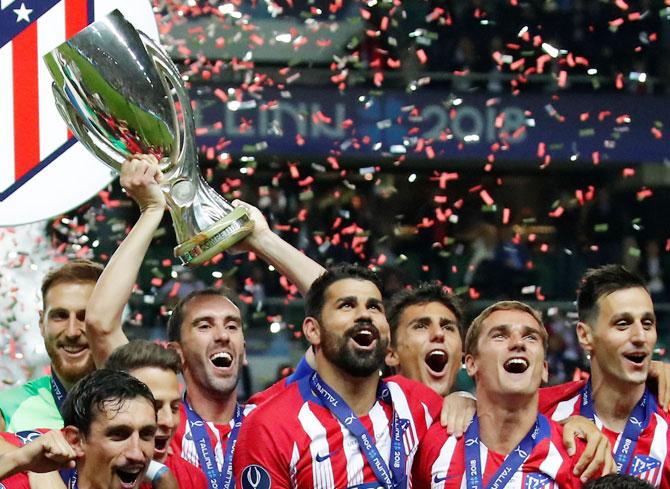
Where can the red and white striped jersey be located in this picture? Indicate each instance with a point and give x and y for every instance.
(440, 463)
(650, 457)
(182, 443)
(292, 441)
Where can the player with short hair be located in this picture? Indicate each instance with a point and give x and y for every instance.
(65, 294)
(206, 329)
(426, 335)
(158, 368)
(508, 444)
(110, 423)
(341, 426)
(617, 329)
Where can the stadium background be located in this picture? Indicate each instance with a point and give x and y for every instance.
(500, 147)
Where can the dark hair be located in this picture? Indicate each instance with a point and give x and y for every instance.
(475, 329)
(601, 281)
(72, 271)
(617, 481)
(177, 316)
(425, 293)
(315, 297)
(143, 353)
(99, 392)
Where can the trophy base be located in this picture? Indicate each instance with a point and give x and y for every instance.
(217, 238)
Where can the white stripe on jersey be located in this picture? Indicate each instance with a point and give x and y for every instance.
(659, 446)
(564, 409)
(382, 434)
(553, 462)
(355, 462)
(440, 467)
(401, 407)
(293, 466)
(322, 471)
(427, 416)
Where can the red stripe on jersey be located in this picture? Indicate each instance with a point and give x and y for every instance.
(26, 103)
(440, 463)
(299, 443)
(564, 400)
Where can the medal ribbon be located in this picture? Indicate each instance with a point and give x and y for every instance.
(393, 477)
(637, 421)
(57, 391)
(69, 477)
(216, 479)
(473, 465)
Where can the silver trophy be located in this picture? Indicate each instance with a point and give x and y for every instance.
(119, 92)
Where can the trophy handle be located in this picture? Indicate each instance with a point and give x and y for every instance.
(171, 79)
(99, 145)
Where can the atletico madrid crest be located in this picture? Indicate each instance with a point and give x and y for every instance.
(32, 133)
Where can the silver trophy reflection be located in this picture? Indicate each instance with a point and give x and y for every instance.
(119, 92)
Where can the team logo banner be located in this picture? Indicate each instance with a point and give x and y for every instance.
(44, 171)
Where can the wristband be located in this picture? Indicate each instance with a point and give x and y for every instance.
(155, 471)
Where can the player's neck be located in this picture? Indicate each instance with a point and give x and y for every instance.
(218, 409)
(614, 401)
(360, 393)
(504, 422)
(67, 385)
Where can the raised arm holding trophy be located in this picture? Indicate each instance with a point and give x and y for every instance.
(119, 93)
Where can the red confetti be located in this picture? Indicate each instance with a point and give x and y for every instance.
(488, 200)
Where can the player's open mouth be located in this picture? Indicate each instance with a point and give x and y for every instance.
(437, 360)
(516, 365)
(221, 359)
(129, 476)
(365, 336)
(636, 357)
(160, 444)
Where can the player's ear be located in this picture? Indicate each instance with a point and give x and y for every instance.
(42, 322)
(585, 336)
(312, 330)
(75, 438)
(392, 359)
(470, 365)
(177, 347)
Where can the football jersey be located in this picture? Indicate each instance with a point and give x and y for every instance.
(187, 475)
(293, 440)
(29, 405)
(303, 369)
(182, 443)
(649, 460)
(17, 481)
(440, 463)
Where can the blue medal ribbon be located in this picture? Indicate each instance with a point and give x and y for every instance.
(70, 477)
(391, 477)
(637, 421)
(215, 479)
(473, 464)
(57, 391)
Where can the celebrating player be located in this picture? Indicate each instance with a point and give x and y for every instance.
(617, 329)
(341, 426)
(508, 444)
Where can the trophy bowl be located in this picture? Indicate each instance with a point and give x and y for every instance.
(120, 94)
